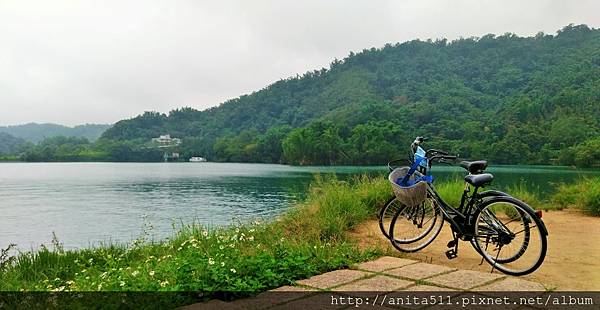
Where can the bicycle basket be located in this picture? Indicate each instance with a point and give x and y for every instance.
(414, 193)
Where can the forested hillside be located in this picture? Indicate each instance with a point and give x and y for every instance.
(34, 132)
(10, 144)
(509, 99)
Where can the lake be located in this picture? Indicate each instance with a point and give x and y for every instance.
(87, 203)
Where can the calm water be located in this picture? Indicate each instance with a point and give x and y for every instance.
(86, 203)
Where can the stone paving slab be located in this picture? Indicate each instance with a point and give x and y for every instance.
(386, 274)
(333, 278)
(375, 284)
(419, 271)
(464, 279)
(428, 288)
(514, 285)
(384, 263)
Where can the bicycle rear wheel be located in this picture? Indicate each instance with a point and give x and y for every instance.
(414, 227)
(510, 236)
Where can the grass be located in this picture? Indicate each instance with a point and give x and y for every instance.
(229, 262)
(584, 195)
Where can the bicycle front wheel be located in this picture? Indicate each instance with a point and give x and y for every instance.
(510, 236)
(414, 227)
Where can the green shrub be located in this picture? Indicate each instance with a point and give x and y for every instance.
(584, 194)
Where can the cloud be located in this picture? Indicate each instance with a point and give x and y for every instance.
(74, 62)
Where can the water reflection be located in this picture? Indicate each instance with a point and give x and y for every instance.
(86, 203)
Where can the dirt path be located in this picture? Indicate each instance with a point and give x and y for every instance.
(572, 261)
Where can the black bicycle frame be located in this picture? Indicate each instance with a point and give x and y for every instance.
(463, 227)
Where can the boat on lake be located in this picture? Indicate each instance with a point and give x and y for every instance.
(196, 159)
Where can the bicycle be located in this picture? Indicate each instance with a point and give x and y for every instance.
(492, 221)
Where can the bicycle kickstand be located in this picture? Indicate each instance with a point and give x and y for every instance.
(452, 253)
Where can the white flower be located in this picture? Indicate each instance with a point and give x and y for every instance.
(122, 283)
(211, 261)
(164, 283)
(99, 286)
(204, 233)
(222, 264)
(135, 273)
(251, 238)
(221, 247)
(151, 273)
(232, 270)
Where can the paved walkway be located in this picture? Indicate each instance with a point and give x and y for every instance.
(385, 274)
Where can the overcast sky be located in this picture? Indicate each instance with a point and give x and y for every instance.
(74, 62)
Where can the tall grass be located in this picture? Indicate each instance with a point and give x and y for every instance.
(528, 195)
(584, 195)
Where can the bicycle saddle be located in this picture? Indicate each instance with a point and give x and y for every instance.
(474, 167)
(478, 180)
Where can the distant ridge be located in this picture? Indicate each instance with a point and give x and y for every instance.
(34, 132)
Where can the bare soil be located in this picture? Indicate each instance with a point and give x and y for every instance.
(572, 261)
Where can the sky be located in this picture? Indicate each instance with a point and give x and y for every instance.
(76, 62)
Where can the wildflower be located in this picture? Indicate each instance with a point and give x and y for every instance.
(232, 270)
(135, 273)
(179, 248)
(151, 273)
(122, 283)
(204, 233)
(221, 247)
(251, 230)
(211, 261)
(99, 286)
(70, 282)
(164, 283)
(87, 278)
(222, 264)
(251, 238)
(57, 279)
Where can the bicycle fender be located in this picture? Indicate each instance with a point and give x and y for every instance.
(492, 193)
(508, 198)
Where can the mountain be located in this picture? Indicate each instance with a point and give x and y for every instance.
(34, 132)
(508, 99)
(10, 144)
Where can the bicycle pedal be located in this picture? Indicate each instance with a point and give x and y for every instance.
(451, 243)
(451, 254)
